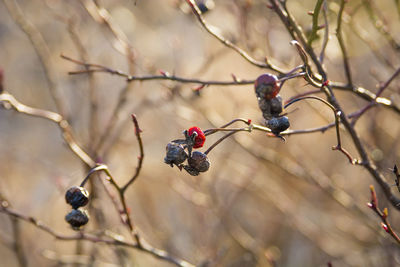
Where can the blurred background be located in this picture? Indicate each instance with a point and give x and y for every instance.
(263, 202)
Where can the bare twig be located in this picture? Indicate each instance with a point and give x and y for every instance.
(315, 26)
(116, 240)
(341, 44)
(41, 49)
(227, 43)
(163, 76)
(64, 126)
(140, 157)
(373, 204)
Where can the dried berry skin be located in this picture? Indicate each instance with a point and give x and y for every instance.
(77, 197)
(278, 124)
(191, 170)
(199, 139)
(176, 154)
(267, 86)
(77, 218)
(270, 107)
(199, 161)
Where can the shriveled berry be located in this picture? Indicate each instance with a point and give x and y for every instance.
(199, 161)
(176, 154)
(270, 107)
(278, 124)
(199, 137)
(267, 86)
(77, 218)
(276, 105)
(77, 197)
(192, 171)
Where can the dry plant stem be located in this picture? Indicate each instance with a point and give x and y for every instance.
(103, 17)
(326, 34)
(211, 131)
(41, 49)
(341, 44)
(337, 122)
(292, 27)
(164, 76)
(315, 25)
(140, 157)
(380, 91)
(222, 139)
(111, 240)
(378, 23)
(93, 108)
(64, 126)
(367, 95)
(210, 29)
(383, 215)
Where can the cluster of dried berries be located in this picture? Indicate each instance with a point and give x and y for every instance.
(180, 150)
(77, 197)
(267, 87)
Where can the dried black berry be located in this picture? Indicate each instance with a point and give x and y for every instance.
(278, 124)
(176, 154)
(199, 161)
(191, 170)
(77, 197)
(77, 218)
(270, 107)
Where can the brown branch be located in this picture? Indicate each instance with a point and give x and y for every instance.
(41, 49)
(116, 240)
(9, 101)
(293, 28)
(163, 76)
(383, 215)
(211, 30)
(373, 102)
(341, 44)
(140, 157)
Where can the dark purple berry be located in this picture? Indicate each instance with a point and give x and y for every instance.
(199, 161)
(278, 124)
(77, 218)
(176, 154)
(267, 86)
(77, 197)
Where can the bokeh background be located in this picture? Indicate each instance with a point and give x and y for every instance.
(263, 201)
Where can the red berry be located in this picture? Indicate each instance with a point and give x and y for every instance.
(199, 139)
(267, 86)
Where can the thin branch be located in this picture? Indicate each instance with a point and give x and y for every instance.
(326, 34)
(163, 76)
(341, 43)
(9, 101)
(41, 49)
(211, 30)
(140, 157)
(383, 215)
(116, 240)
(337, 122)
(315, 26)
(380, 91)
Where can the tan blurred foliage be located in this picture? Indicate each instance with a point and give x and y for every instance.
(296, 203)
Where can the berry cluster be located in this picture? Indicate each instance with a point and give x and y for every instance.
(197, 161)
(267, 87)
(77, 197)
